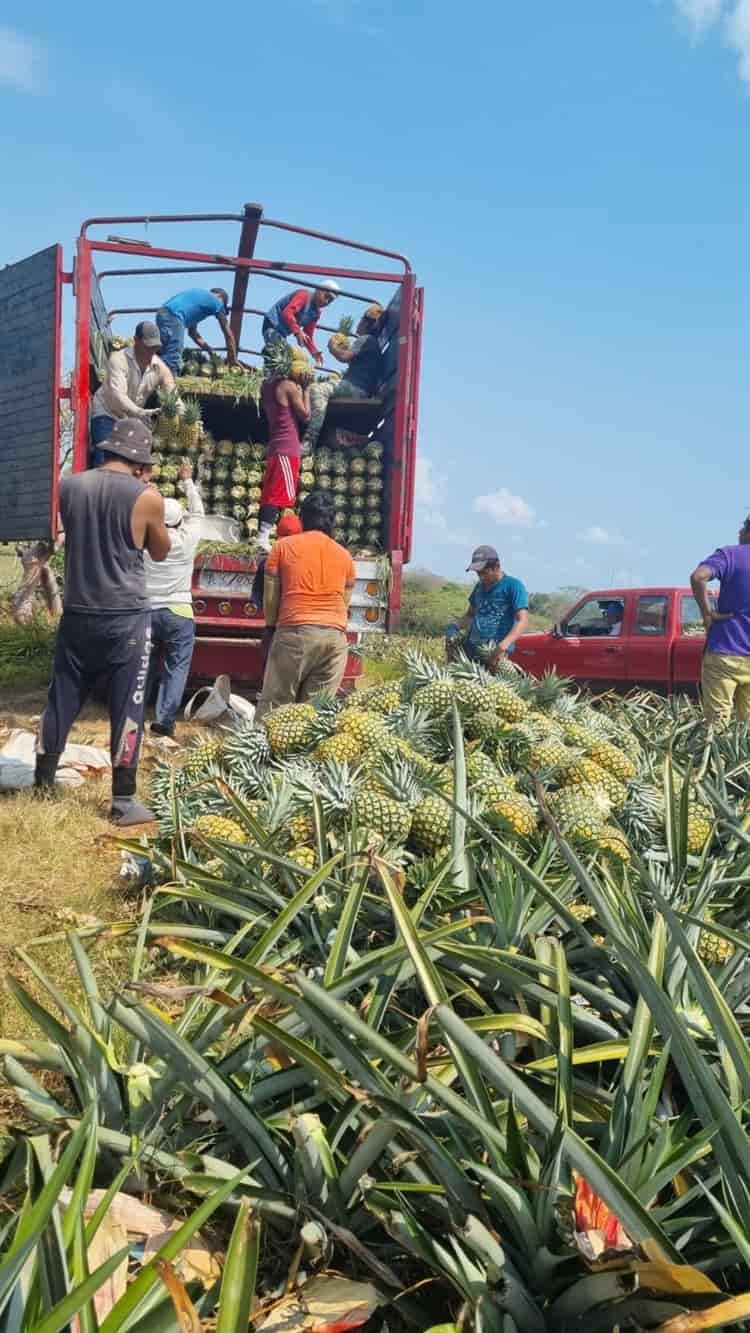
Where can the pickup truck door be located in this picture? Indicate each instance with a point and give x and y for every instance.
(591, 646)
(647, 660)
(30, 344)
(689, 642)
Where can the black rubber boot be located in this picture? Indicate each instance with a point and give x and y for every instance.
(44, 773)
(126, 810)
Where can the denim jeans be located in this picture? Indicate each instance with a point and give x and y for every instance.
(172, 332)
(271, 334)
(171, 654)
(101, 429)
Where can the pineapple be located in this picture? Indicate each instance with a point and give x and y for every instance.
(499, 788)
(339, 463)
(372, 503)
(307, 479)
(613, 843)
(299, 829)
(304, 857)
(382, 814)
(504, 701)
(435, 698)
(216, 826)
(517, 814)
(341, 337)
(367, 728)
(375, 485)
(713, 949)
(169, 419)
(431, 825)
(225, 450)
(202, 758)
(582, 911)
(699, 827)
(551, 755)
(342, 747)
(357, 486)
(581, 813)
(357, 465)
(480, 768)
(607, 755)
(585, 773)
(290, 727)
(325, 481)
(189, 429)
(374, 451)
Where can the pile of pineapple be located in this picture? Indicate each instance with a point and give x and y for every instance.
(381, 767)
(230, 474)
(355, 479)
(211, 374)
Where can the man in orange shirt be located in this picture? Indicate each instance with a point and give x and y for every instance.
(308, 587)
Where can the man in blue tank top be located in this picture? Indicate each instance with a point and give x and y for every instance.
(183, 313)
(110, 514)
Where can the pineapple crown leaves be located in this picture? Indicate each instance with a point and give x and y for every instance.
(401, 780)
(422, 732)
(346, 325)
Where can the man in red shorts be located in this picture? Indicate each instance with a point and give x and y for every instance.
(286, 403)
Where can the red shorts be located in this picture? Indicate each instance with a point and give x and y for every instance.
(280, 481)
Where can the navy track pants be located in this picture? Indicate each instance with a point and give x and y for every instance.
(89, 649)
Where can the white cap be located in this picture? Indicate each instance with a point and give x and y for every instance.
(330, 285)
(173, 514)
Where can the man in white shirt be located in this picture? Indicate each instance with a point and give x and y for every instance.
(169, 589)
(133, 374)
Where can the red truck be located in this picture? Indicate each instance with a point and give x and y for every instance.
(31, 386)
(621, 638)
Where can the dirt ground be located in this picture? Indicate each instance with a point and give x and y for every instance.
(60, 866)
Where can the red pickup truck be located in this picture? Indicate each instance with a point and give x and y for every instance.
(621, 638)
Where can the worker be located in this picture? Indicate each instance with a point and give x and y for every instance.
(288, 526)
(169, 588)
(363, 377)
(363, 357)
(183, 313)
(299, 313)
(497, 613)
(133, 374)
(286, 403)
(725, 674)
(308, 587)
(110, 515)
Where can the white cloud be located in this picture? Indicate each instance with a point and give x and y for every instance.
(700, 14)
(734, 17)
(429, 499)
(19, 60)
(505, 507)
(601, 536)
(738, 36)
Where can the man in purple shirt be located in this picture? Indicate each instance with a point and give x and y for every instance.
(725, 677)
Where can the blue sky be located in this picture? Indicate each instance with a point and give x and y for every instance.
(569, 178)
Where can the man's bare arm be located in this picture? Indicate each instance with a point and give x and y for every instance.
(229, 339)
(198, 338)
(149, 530)
(299, 401)
(700, 578)
(271, 598)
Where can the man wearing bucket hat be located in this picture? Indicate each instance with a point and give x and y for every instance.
(133, 374)
(110, 516)
(496, 615)
(169, 588)
(298, 313)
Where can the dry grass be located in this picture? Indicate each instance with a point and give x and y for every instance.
(60, 867)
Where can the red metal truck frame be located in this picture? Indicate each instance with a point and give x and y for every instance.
(399, 536)
(237, 649)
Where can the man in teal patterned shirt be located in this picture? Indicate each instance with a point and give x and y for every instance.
(497, 613)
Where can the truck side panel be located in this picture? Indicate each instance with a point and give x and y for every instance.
(30, 301)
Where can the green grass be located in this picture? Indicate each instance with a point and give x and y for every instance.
(25, 650)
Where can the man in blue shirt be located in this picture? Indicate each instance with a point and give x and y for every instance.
(183, 313)
(497, 612)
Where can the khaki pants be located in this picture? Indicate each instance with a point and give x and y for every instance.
(304, 660)
(725, 683)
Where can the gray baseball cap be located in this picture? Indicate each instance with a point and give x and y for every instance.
(130, 440)
(481, 557)
(148, 333)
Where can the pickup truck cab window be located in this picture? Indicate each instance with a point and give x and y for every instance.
(596, 618)
(651, 615)
(691, 620)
